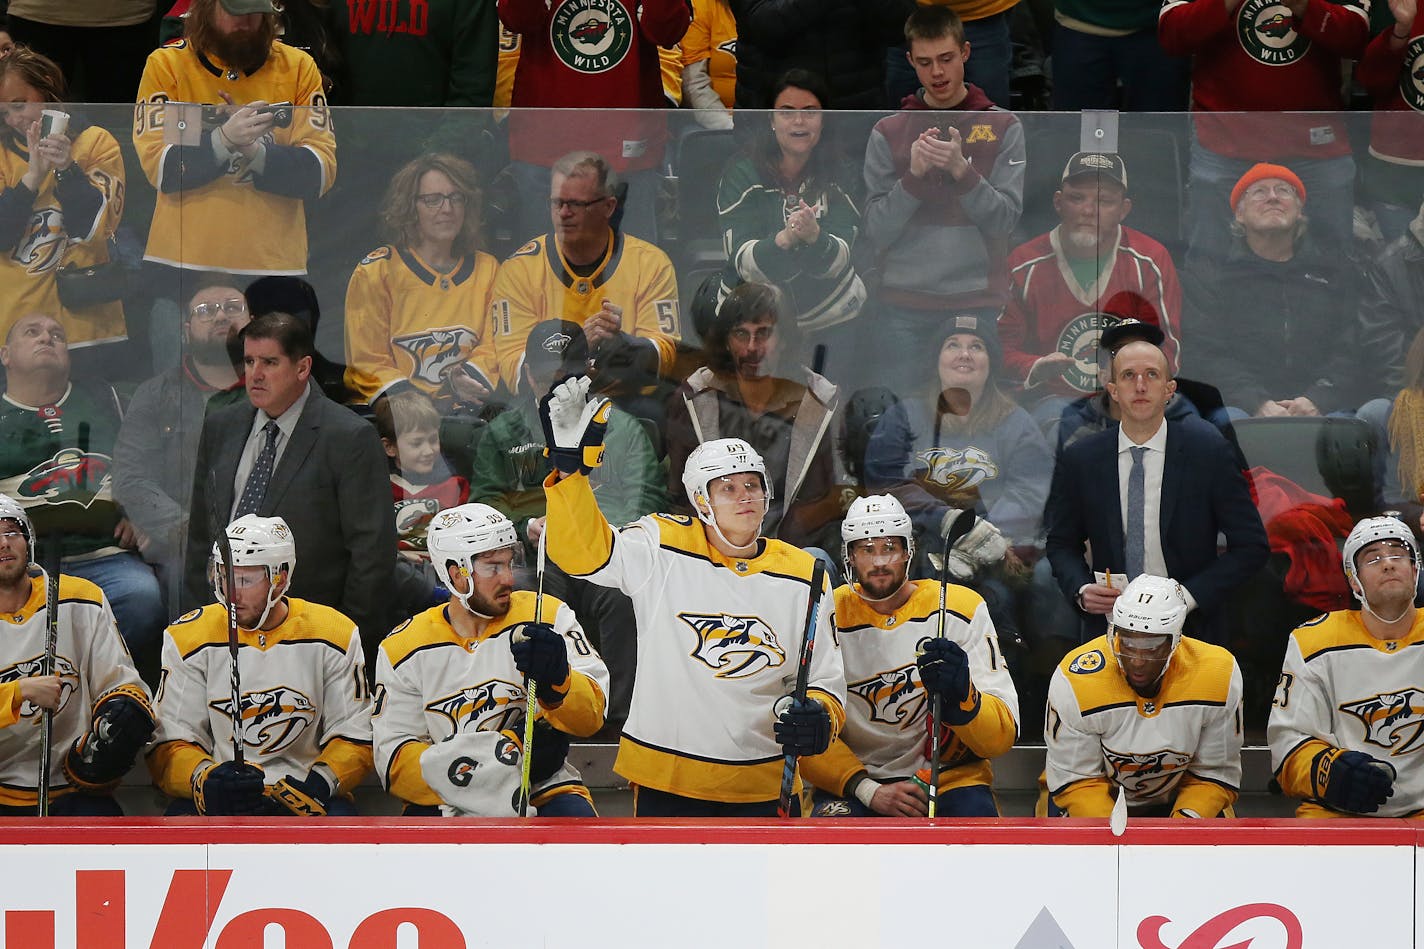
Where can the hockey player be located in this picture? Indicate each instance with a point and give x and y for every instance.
(1146, 710)
(102, 715)
(721, 614)
(894, 661)
(1347, 712)
(305, 706)
(450, 684)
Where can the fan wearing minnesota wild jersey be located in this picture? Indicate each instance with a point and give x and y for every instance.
(889, 626)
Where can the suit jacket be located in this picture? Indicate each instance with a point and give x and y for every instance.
(1203, 493)
(332, 487)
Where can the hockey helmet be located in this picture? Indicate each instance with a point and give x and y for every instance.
(716, 459)
(258, 542)
(1369, 531)
(11, 510)
(879, 515)
(460, 534)
(1150, 606)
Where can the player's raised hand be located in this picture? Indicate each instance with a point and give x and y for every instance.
(1352, 781)
(574, 425)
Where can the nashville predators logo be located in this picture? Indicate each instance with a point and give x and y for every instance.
(591, 36)
(729, 47)
(1393, 720)
(1147, 775)
(1087, 663)
(70, 477)
(957, 469)
(493, 705)
(272, 719)
(42, 245)
(894, 697)
(1080, 339)
(1268, 31)
(435, 352)
(734, 646)
(27, 668)
(1411, 77)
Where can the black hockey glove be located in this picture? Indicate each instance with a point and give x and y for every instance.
(803, 727)
(306, 798)
(229, 790)
(105, 753)
(574, 426)
(551, 748)
(539, 653)
(1352, 781)
(944, 669)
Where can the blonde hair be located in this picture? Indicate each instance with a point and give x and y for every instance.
(408, 411)
(1406, 422)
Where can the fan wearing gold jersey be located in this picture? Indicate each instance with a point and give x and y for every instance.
(621, 289)
(1145, 711)
(417, 309)
(894, 661)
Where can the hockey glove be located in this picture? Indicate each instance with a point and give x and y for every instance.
(944, 669)
(574, 426)
(803, 727)
(975, 544)
(551, 748)
(1352, 781)
(104, 754)
(290, 797)
(229, 790)
(540, 654)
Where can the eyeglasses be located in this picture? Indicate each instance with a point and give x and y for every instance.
(435, 200)
(742, 335)
(558, 204)
(1262, 192)
(208, 312)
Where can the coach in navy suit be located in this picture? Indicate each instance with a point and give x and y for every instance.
(1190, 488)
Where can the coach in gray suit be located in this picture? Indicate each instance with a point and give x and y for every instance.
(295, 454)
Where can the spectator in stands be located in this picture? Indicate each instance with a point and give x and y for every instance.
(1070, 284)
(297, 297)
(621, 288)
(1107, 56)
(709, 64)
(1277, 64)
(753, 387)
(1404, 473)
(842, 40)
(157, 446)
(58, 436)
(417, 308)
(99, 44)
(428, 54)
(1264, 312)
(1392, 309)
(7, 42)
(302, 24)
(945, 191)
(986, 30)
(247, 171)
(787, 220)
(61, 198)
(1394, 168)
(294, 454)
(510, 469)
(614, 65)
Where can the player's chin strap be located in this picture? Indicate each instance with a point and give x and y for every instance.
(710, 519)
(464, 599)
(1365, 602)
(860, 591)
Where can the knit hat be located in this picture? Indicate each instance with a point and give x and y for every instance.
(1260, 172)
(983, 324)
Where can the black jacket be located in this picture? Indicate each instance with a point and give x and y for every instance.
(1391, 313)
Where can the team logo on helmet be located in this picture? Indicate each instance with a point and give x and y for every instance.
(71, 476)
(894, 697)
(436, 351)
(1268, 32)
(25, 668)
(957, 469)
(591, 36)
(1080, 339)
(1147, 775)
(493, 705)
(42, 246)
(1393, 720)
(734, 646)
(1411, 77)
(1088, 662)
(272, 719)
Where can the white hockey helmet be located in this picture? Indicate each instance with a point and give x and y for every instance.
(878, 515)
(460, 534)
(716, 459)
(1151, 606)
(1369, 531)
(258, 542)
(12, 510)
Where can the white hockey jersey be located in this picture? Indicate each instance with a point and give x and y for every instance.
(305, 702)
(1342, 688)
(432, 683)
(1181, 748)
(93, 665)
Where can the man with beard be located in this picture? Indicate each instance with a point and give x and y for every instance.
(232, 188)
(158, 443)
(895, 662)
(1145, 712)
(1070, 284)
(451, 683)
(1348, 695)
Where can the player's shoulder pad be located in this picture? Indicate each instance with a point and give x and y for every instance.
(787, 560)
(521, 608)
(958, 601)
(1327, 632)
(187, 617)
(1087, 659)
(427, 628)
(179, 43)
(77, 588)
(1199, 672)
(309, 621)
(198, 628)
(380, 253)
(529, 249)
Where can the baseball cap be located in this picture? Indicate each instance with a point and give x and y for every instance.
(1126, 331)
(556, 345)
(244, 7)
(1099, 165)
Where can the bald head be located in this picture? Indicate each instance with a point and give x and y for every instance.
(1137, 350)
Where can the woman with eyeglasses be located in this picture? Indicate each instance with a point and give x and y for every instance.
(417, 308)
(61, 198)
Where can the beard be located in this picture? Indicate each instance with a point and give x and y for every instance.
(1083, 241)
(246, 50)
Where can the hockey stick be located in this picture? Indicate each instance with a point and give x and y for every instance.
(51, 568)
(230, 604)
(531, 704)
(803, 670)
(955, 532)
